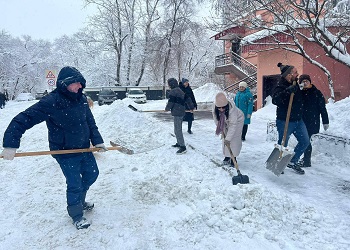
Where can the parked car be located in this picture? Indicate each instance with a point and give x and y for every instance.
(137, 95)
(24, 97)
(106, 96)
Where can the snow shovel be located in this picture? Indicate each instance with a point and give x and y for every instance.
(279, 158)
(67, 151)
(135, 109)
(243, 179)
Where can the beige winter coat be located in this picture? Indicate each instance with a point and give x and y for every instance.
(233, 129)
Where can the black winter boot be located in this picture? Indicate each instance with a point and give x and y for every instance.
(87, 206)
(182, 150)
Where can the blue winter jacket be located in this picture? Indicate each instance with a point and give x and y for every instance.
(244, 101)
(68, 117)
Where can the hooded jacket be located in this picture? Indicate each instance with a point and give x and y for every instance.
(177, 99)
(280, 98)
(68, 117)
(314, 106)
(189, 93)
(244, 101)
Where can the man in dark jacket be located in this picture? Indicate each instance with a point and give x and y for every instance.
(71, 125)
(296, 126)
(189, 117)
(314, 106)
(176, 104)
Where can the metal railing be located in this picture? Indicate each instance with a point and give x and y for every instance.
(239, 62)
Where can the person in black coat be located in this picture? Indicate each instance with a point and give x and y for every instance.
(2, 100)
(189, 117)
(314, 106)
(296, 126)
(71, 125)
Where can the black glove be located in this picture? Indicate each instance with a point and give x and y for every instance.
(292, 89)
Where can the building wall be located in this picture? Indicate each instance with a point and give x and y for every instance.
(266, 62)
(267, 65)
(339, 72)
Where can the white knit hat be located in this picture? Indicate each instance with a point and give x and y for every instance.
(221, 100)
(243, 84)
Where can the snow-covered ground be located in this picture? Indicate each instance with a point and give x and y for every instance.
(155, 199)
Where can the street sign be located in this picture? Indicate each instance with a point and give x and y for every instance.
(50, 74)
(51, 82)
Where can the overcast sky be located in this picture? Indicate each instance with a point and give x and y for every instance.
(46, 19)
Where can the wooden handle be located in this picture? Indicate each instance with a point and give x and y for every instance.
(231, 154)
(287, 121)
(152, 110)
(59, 152)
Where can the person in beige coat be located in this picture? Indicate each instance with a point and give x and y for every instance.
(229, 122)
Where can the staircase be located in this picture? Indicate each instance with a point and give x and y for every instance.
(235, 64)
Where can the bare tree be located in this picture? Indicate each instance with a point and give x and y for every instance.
(150, 16)
(108, 22)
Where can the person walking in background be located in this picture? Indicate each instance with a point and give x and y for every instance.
(176, 104)
(314, 106)
(296, 126)
(71, 125)
(229, 122)
(2, 100)
(189, 116)
(244, 101)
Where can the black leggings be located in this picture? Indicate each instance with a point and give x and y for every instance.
(244, 131)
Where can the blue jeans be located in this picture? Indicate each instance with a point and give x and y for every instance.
(298, 129)
(81, 172)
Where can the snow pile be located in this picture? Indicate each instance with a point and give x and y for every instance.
(155, 199)
(207, 92)
(339, 118)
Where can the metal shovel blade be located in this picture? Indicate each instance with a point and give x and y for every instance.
(277, 163)
(122, 149)
(240, 178)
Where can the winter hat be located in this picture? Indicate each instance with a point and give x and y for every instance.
(221, 100)
(285, 69)
(243, 84)
(69, 75)
(172, 82)
(304, 77)
(184, 80)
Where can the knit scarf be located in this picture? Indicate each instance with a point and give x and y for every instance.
(221, 123)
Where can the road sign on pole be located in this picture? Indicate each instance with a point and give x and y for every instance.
(50, 76)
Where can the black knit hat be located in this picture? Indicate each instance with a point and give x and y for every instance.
(285, 69)
(304, 77)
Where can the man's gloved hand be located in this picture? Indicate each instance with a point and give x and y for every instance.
(8, 153)
(249, 115)
(325, 126)
(102, 147)
(227, 142)
(292, 89)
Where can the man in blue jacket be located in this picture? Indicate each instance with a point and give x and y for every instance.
(71, 125)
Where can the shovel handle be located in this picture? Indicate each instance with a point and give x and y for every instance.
(232, 156)
(59, 152)
(287, 121)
